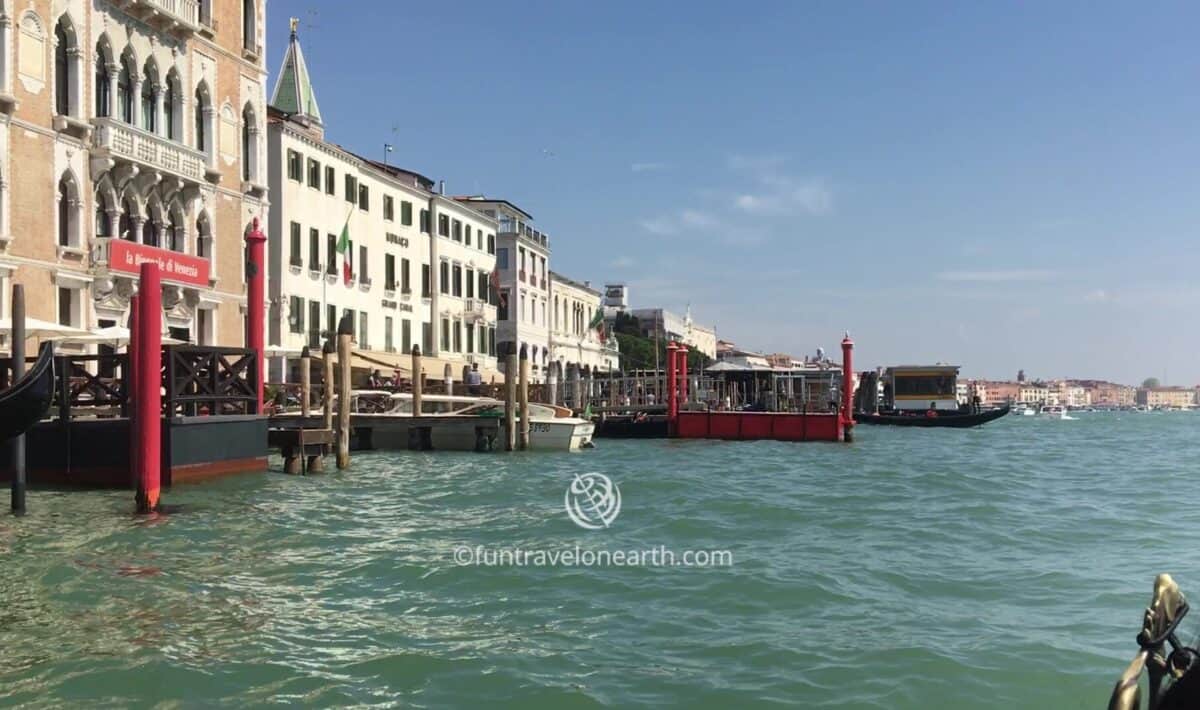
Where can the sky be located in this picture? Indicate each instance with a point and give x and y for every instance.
(1000, 186)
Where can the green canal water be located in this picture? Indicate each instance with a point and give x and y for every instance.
(1000, 567)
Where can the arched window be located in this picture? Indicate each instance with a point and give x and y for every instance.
(68, 212)
(125, 92)
(64, 214)
(203, 247)
(174, 240)
(103, 99)
(125, 226)
(249, 145)
(103, 223)
(201, 142)
(169, 112)
(149, 110)
(62, 71)
(149, 233)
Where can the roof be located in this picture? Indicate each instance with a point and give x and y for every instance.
(481, 198)
(923, 368)
(293, 93)
(555, 276)
(424, 182)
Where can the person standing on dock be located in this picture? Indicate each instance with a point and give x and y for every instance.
(474, 380)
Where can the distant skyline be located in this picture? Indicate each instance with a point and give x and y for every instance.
(1001, 187)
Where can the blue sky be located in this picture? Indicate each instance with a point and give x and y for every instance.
(997, 185)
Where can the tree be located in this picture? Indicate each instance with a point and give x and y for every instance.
(1150, 383)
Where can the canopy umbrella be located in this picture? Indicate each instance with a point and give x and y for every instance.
(35, 328)
(115, 336)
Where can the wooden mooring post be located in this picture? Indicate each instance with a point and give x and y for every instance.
(344, 336)
(510, 395)
(327, 383)
(294, 460)
(17, 337)
(524, 398)
(416, 381)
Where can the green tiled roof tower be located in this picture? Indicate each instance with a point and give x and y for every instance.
(293, 91)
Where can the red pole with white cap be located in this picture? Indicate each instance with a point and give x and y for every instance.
(847, 389)
(255, 303)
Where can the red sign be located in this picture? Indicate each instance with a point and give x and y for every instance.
(127, 257)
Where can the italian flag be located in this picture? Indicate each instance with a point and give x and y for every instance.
(343, 248)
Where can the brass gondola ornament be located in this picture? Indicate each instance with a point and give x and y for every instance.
(1167, 608)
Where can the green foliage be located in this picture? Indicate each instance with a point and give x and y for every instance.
(637, 353)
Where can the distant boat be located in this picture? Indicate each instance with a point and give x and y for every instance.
(1054, 411)
(953, 420)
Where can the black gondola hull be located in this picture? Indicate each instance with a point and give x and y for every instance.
(955, 420)
(27, 401)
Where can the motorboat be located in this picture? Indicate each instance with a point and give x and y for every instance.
(1054, 411)
(551, 428)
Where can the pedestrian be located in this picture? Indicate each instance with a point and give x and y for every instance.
(474, 380)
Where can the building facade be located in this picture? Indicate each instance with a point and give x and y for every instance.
(574, 343)
(416, 268)
(130, 131)
(1167, 397)
(523, 281)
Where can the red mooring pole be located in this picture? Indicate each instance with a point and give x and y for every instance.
(255, 303)
(149, 388)
(847, 389)
(671, 400)
(682, 354)
(129, 374)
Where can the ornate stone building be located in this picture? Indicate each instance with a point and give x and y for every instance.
(131, 130)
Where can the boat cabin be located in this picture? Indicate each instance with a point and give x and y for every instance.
(920, 387)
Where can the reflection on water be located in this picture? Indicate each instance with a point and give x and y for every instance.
(1007, 564)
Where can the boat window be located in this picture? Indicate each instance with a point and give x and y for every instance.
(925, 385)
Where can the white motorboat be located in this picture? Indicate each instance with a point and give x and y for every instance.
(1054, 411)
(551, 428)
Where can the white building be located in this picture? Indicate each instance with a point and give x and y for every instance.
(573, 342)
(419, 263)
(663, 324)
(522, 260)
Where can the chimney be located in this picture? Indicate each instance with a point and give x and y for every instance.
(441, 187)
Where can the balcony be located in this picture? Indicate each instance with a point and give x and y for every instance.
(178, 17)
(116, 142)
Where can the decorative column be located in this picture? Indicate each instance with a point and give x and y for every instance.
(113, 71)
(158, 110)
(135, 96)
(255, 302)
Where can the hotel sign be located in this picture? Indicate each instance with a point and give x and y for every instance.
(397, 239)
(394, 305)
(127, 257)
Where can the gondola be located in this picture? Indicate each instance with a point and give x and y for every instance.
(26, 402)
(953, 420)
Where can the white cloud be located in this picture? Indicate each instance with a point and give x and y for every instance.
(999, 275)
(661, 226)
(621, 262)
(1097, 296)
(676, 222)
(647, 167)
(695, 218)
(776, 193)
